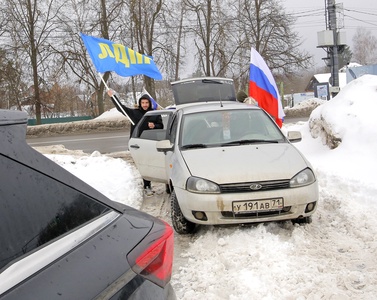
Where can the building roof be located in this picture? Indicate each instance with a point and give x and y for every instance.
(325, 78)
(322, 78)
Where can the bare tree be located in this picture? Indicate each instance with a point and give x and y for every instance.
(3, 20)
(130, 23)
(219, 34)
(12, 86)
(88, 17)
(212, 36)
(30, 26)
(179, 43)
(345, 56)
(268, 29)
(169, 43)
(364, 47)
(144, 16)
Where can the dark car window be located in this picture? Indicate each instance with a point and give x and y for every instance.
(203, 90)
(35, 209)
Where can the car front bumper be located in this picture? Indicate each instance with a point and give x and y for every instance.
(218, 208)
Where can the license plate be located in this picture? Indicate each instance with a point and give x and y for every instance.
(257, 205)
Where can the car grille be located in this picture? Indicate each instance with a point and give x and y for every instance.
(245, 186)
(260, 214)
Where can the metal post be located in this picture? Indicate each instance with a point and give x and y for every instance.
(331, 9)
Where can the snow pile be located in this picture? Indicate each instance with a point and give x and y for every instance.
(113, 177)
(356, 105)
(304, 108)
(110, 114)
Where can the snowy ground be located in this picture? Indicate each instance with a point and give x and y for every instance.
(334, 257)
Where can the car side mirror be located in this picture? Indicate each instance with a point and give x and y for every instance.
(164, 146)
(294, 136)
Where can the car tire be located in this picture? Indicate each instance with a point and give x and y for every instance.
(301, 221)
(180, 224)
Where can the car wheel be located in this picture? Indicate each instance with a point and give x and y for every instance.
(304, 220)
(180, 224)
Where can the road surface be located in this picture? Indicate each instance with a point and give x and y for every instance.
(104, 142)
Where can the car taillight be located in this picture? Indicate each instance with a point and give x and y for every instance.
(155, 262)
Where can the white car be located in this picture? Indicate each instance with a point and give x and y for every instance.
(226, 163)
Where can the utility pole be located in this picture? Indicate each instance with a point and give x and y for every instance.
(331, 10)
(333, 41)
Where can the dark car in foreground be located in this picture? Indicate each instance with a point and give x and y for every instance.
(62, 239)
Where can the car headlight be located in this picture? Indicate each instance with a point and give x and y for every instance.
(200, 185)
(305, 177)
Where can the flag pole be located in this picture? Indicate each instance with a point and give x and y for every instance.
(116, 101)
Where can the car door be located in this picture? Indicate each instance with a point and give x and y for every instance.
(142, 146)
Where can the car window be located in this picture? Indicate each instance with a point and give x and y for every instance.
(225, 126)
(36, 209)
(173, 129)
(155, 134)
(203, 90)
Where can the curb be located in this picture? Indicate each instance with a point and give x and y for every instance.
(77, 127)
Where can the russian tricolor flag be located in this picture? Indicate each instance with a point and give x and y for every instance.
(263, 89)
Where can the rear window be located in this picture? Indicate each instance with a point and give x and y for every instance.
(203, 90)
(36, 209)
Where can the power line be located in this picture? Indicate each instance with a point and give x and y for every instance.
(362, 21)
(308, 13)
(361, 12)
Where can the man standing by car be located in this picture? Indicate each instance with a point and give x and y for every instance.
(135, 115)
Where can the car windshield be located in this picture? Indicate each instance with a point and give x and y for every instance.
(203, 90)
(228, 128)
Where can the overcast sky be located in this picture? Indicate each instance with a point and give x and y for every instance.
(311, 19)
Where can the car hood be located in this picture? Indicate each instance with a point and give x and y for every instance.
(245, 163)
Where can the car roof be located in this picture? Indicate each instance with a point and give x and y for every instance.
(214, 106)
(12, 117)
(204, 106)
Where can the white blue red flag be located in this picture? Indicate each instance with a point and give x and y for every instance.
(263, 89)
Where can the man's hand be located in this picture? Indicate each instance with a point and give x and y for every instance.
(110, 93)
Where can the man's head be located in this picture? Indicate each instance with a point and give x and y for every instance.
(145, 102)
(241, 96)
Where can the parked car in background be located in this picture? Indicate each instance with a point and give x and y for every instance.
(226, 163)
(62, 239)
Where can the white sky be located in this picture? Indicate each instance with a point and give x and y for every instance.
(311, 19)
(334, 257)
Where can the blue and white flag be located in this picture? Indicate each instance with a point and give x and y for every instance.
(109, 56)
